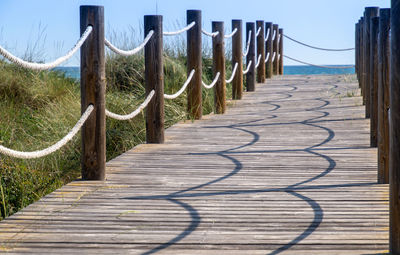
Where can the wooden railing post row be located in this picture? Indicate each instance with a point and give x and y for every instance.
(218, 44)
(280, 64)
(374, 81)
(237, 57)
(269, 49)
(194, 61)
(260, 51)
(275, 63)
(383, 95)
(394, 156)
(370, 12)
(93, 86)
(250, 76)
(154, 79)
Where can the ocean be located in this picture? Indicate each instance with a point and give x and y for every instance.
(74, 72)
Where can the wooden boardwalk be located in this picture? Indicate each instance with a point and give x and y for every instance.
(287, 170)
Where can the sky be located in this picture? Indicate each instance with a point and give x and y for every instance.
(49, 28)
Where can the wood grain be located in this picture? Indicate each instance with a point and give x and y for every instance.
(286, 170)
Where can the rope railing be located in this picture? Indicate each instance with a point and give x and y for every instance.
(248, 45)
(177, 94)
(258, 60)
(273, 57)
(267, 35)
(135, 112)
(318, 48)
(274, 35)
(330, 67)
(248, 67)
(46, 66)
(181, 30)
(214, 34)
(258, 31)
(212, 83)
(53, 148)
(233, 73)
(127, 53)
(267, 57)
(231, 34)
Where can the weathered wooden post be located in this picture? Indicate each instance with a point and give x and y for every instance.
(383, 95)
(269, 49)
(357, 47)
(154, 79)
(374, 81)
(370, 12)
(237, 57)
(361, 68)
(260, 51)
(275, 62)
(194, 61)
(218, 44)
(93, 87)
(394, 120)
(280, 64)
(250, 76)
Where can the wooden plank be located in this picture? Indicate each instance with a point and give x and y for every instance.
(287, 169)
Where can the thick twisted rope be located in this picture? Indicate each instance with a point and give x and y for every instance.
(267, 57)
(210, 34)
(231, 34)
(46, 66)
(135, 112)
(330, 67)
(266, 37)
(233, 73)
(53, 148)
(183, 87)
(180, 31)
(248, 67)
(127, 53)
(273, 57)
(258, 60)
(318, 48)
(248, 45)
(274, 35)
(213, 82)
(258, 31)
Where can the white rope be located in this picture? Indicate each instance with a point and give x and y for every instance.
(46, 66)
(127, 53)
(258, 60)
(248, 67)
(233, 73)
(182, 30)
(266, 37)
(267, 57)
(135, 112)
(231, 34)
(273, 57)
(248, 45)
(213, 82)
(54, 147)
(274, 35)
(258, 31)
(183, 87)
(210, 34)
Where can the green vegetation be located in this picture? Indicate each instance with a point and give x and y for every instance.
(39, 108)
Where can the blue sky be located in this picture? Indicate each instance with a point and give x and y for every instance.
(323, 23)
